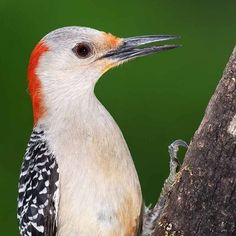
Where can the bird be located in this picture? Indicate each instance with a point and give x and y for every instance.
(77, 177)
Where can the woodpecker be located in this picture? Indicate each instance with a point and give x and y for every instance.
(78, 177)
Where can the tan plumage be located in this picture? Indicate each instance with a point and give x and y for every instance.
(99, 191)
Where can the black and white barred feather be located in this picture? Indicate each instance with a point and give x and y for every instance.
(38, 189)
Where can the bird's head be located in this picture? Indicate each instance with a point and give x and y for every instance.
(67, 62)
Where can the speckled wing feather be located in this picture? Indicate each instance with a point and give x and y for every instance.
(38, 189)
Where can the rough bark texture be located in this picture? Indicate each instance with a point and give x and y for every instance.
(203, 199)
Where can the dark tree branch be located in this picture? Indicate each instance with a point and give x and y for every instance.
(203, 198)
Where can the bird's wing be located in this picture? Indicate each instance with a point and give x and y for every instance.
(38, 189)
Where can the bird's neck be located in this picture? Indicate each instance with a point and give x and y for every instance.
(78, 115)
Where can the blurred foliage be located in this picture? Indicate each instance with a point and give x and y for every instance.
(155, 100)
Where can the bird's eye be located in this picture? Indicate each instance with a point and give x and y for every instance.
(82, 50)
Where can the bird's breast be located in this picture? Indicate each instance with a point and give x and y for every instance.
(99, 187)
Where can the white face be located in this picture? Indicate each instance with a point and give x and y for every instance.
(72, 59)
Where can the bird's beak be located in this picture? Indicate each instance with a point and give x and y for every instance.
(130, 47)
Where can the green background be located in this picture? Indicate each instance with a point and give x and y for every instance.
(155, 100)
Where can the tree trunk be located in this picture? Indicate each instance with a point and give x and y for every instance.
(203, 198)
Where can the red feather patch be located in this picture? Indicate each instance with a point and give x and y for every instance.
(34, 82)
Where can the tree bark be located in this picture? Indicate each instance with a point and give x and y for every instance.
(203, 198)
